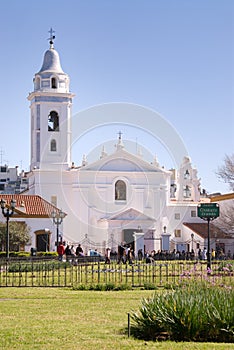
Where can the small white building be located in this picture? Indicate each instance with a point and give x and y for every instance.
(36, 213)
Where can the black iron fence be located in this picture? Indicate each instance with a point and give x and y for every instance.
(75, 273)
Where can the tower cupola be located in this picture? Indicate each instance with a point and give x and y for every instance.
(51, 76)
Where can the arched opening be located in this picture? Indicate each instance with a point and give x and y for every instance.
(186, 175)
(53, 121)
(43, 240)
(120, 190)
(187, 191)
(54, 83)
(37, 83)
(53, 146)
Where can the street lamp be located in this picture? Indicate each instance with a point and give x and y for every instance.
(7, 213)
(192, 237)
(57, 217)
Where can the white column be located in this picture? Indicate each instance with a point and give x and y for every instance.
(139, 242)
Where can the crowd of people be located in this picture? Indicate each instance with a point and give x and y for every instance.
(126, 254)
(69, 251)
(201, 254)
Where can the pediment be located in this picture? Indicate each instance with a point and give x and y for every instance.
(122, 161)
(131, 214)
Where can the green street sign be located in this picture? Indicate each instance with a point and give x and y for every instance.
(208, 210)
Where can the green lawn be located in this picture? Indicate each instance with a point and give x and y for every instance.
(56, 318)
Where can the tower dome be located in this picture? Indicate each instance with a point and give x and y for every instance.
(51, 62)
(51, 76)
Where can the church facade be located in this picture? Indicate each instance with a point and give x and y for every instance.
(120, 197)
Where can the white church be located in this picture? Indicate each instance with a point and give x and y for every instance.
(120, 197)
(113, 199)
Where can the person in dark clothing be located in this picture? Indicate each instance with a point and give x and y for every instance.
(61, 251)
(68, 251)
(79, 250)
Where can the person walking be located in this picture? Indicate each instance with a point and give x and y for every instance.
(107, 256)
(204, 254)
(61, 251)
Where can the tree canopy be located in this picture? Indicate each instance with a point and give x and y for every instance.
(19, 235)
(226, 171)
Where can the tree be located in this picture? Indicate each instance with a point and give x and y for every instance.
(226, 219)
(19, 235)
(226, 171)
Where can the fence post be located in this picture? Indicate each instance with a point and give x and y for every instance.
(129, 327)
(98, 272)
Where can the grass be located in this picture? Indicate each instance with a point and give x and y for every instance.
(56, 318)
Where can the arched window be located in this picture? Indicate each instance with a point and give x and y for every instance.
(187, 174)
(53, 121)
(54, 83)
(187, 191)
(37, 83)
(53, 146)
(120, 190)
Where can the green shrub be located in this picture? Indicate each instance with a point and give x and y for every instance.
(123, 287)
(102, 287)
(195, 312)
(149, 286)
(29, 266)
(15, 254)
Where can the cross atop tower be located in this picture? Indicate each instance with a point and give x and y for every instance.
(52, 37)
(120, 144)
(120, 135)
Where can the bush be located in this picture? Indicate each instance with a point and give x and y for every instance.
(36, 266)
(149, 286)
(195, 312)
(15, 254)
(102, 287)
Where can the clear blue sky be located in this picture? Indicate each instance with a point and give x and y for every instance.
(175, 57)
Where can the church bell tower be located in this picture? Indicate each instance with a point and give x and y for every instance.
(51, 112)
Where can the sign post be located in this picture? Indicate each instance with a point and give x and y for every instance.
(208, 212)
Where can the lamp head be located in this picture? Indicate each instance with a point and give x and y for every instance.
(61, 214)
(3, 203)
(53, 214)
(13, 204)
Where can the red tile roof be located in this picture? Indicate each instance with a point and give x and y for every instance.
(29, 206)
(202, 230)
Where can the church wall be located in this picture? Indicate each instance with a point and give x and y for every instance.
(178, 214)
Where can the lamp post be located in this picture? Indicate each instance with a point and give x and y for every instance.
(57, 217)
(192, 237)
(7, 213)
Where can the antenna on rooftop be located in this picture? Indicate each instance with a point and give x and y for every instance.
(1, 154)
